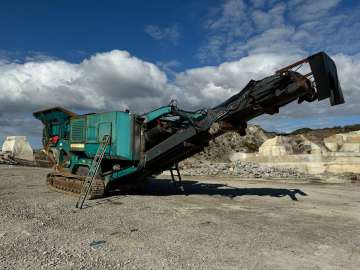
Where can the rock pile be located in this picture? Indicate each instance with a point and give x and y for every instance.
(231, 142)
(238, 169)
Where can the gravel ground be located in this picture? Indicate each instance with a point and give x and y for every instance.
(220, 224)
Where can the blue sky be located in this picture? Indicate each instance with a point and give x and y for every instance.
(110, 55)
(72, 30)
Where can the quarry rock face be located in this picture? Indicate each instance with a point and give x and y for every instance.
(277, 146)
(337, 154)
(344, 142)
(302, 145)
(290, 145)
(315, 152)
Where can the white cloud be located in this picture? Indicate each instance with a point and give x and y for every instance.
(239, 28)
(169, 66)
(230, 22)
(307, 10)
(232, 12)
(211, 85)
(248, 40)
(106, 81)
(228, 78)
(171, 33)
(111, 80)
(272, 18)
(115, 80)
(274, 40)
(212, 50)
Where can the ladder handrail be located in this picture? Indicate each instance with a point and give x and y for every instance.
(95, 165)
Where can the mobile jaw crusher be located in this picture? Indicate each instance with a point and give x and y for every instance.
(118, 149)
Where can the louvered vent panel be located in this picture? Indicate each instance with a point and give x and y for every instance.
(78, 130)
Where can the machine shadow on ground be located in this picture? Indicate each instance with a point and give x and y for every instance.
(165, 187)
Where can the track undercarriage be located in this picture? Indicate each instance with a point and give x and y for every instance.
(71, 183)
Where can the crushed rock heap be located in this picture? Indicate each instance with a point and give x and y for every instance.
(238, 169)
(223, 146)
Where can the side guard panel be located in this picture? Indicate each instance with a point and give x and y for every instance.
(326, 78)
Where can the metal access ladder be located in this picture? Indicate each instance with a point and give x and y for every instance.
(175, 169)
(95, 165)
